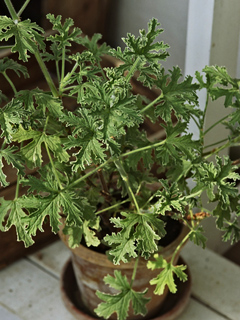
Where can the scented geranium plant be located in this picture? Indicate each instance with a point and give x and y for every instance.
(94, 163)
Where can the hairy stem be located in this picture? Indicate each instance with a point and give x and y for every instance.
(134, 271)
(10, 82)
(133, 69)
(11, 10)
(150, 105)
(46, 74)
(23, 7)
(124, 176)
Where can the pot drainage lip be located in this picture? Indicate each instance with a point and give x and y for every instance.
(171, 309)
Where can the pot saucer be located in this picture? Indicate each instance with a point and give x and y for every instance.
(171, 309)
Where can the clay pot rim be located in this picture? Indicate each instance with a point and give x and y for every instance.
(101, 259)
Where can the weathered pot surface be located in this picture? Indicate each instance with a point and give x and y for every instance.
(91, 267)
(173, 306)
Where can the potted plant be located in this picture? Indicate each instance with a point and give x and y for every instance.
(98, 175)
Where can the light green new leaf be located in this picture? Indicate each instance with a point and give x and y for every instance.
(145, 228)
(10, 156)
(11, 114)
(166, 276)
(119, 302)
(27, 36)
(170, 199)
(123, 248)
(74, 235)
(89, 234)
(12, 210)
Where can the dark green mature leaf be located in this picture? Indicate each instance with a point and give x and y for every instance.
(120, 302)
(177, 144)
(10, 156)
(26, 33)
(232, 232)
(196, 235)
(94, 47)
(177, 96)
(13, 211)
(9, 64)
(166, 276)
(144, 228)
(43, 100)
(33, 150)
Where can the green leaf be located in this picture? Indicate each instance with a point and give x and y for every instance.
(89, 234)
(196, 235)
(43, 100)
(10, 115)
(66, 34)
(215, 178)
(13, 211)
(32, 151)
(27, 36)
(9, 64)
(178, 97)
(74, 235)
(144, 46)
(166, 276)
(10, 156)
(139, 231)
(177, 144)
(170, 199)
(119, 302)
(232, 232)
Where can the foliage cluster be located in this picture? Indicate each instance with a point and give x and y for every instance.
(93, 163)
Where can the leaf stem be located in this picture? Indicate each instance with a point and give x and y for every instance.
(11, 10)
(46, 74)
(180, 246)
(132, 70)
(10, 82)
(215, 124)
(53, 167)
(152, 103)
(134, 271)
(125, 178)
(23, 7)
(154, 145)
(113, 206)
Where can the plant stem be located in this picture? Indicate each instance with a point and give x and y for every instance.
(11, 10)
(180, 246)
(113, 206)
(154, 145)
(133, 68)
(152, 103)
(215, 143)
(10, 82)
(76, 182)
(53, 167)
(46, 74)
(63, 64)
(23, 7)
(214, 125)
(124, 176)
(134, 271)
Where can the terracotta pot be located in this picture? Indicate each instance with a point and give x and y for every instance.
(91, 267)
